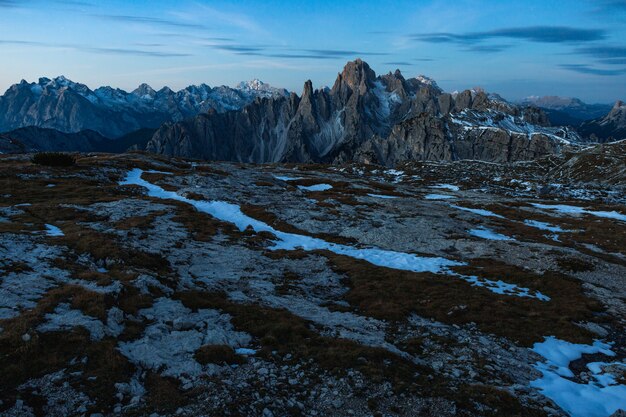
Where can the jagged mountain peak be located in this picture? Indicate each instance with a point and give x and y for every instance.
(356, 75)
(144, 91)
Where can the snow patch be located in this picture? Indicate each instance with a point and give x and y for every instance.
(480, 212)
(316, 187)
(288, 241)
(438, 197)
(566, 209)
(485, 233)
(599, 398)
(387, 197)
(54, 231)
(449, 187)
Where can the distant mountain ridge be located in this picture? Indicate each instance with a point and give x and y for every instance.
(567, 111)
(609, 128)
(72, 107)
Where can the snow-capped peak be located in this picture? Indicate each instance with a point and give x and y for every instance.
(254, 84)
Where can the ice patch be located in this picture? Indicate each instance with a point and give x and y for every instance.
(600, 398)
(52, 230)
(484, 233)
(316, 187)
(480, 212)
(566, 209)
(438, 197)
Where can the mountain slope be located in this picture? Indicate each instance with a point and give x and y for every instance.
(360, 115)
(609, 128)
(37, 139)
(71, 107)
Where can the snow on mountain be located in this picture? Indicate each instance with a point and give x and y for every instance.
(65, 105)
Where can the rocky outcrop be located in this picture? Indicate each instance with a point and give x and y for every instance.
(72, 107)
(383, 119)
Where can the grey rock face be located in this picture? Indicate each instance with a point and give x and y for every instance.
(383, 119)
(72, 107)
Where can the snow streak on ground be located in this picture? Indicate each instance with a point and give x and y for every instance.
(286, 179)
(566, 209)
(484, 233)
(53, 231)
(448, 187)
(438, 197)
(599, 398)
(388, 197)
(316, 187)
(289, 241)
(543, 226)
(480, 212)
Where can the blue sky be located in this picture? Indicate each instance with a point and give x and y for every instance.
(515, 48)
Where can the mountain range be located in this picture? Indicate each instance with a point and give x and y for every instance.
(375, 119)
(384, 119)
(71, 107)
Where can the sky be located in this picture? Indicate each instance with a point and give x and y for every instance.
(573, 48)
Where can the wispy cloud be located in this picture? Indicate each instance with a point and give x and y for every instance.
(96, 50)
(10, 3)
(488, 48)
(587, 69)
(292, 53)
(400, 63)
(153, 21)
(541, 34)
(603, 51)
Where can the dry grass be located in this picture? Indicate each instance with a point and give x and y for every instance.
(48, 352)
(393, 295)
(163, 396)
(280, 330)
(608, 234)
(218, 354)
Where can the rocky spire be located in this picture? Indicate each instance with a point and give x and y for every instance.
(357, 76)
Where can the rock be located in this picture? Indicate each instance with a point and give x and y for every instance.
(26, 337)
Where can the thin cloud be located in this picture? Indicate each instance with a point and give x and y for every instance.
(540, 34)
(400, 64)
(154, 21)
(134, 52)
(488, 48)
(97, 50)
(586, 69)
(10, 4)
(603, 51)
